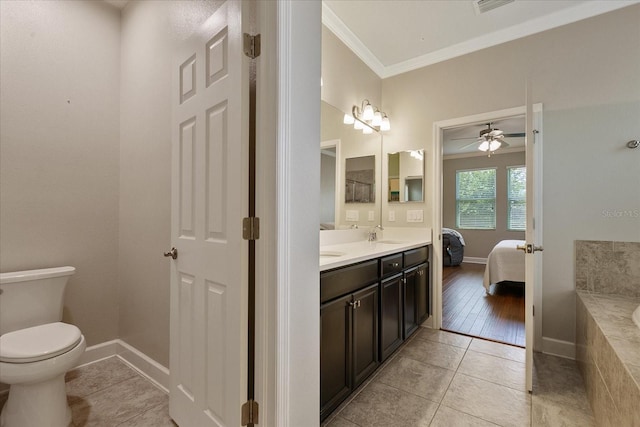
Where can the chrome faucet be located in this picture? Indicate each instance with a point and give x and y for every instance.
(373, 236)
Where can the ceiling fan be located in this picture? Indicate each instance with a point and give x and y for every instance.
(491, 139)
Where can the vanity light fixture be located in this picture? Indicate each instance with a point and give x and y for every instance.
(367, 118)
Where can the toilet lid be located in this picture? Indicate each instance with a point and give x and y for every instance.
(38, 342)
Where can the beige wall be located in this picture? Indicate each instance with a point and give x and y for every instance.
(587, 74)
(478, 243)
(149, 30)
(59, 151)
(346, 80)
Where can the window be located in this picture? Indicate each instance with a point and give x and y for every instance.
(476, 199)
(517, 198)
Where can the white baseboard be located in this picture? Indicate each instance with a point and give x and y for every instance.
(145, 365)
(559, 348)
(474, 260)
(133, 357)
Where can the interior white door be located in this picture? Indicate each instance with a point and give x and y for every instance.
(533, 234)
(209, 199)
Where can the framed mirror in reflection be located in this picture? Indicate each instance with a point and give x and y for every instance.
(360, 180)
(406, 176)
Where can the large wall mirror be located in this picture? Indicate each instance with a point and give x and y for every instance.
(406, 176)
(350, 173)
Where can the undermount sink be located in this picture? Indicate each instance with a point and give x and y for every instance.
(331, 254)
(392, 242)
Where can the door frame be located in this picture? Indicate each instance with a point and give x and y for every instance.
(295, 291)
(436, 176)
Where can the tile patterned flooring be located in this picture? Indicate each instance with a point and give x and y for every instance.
(109, 393)
(436, 379)
(442, 379)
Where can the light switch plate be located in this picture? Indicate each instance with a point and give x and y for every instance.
(353, 216)
(415, 215)
(371, 216)
(392, 216)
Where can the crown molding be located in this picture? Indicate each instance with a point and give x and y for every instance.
(337, 27)
(538, 25)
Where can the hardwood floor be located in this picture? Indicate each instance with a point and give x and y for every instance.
(467, 309)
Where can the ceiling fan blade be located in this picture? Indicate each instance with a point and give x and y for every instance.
(468, 145)
(461, 139)
(503, 143)
(513, 135)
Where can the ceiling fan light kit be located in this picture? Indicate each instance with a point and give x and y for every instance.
(491, 139)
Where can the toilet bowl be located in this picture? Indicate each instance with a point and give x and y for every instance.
(36, 348)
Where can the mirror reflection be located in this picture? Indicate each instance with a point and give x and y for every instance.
(345, 150)
(406, 176)
(360, 184)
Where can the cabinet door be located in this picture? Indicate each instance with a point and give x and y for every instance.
(335, 353)
(365, 333)
(390, 316)
(410, 294)
(422, 293)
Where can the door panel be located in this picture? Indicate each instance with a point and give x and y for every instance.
(390, 316)
(365, 333)
(209, 194)
(335, 353)
(422, 293)
(410, 319)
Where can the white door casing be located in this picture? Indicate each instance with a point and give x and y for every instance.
(533, 276)
(208, 325)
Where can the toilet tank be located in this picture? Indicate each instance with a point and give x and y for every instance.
(32, 297)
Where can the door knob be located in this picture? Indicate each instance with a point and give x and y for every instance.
(529, 248)
(173, 253)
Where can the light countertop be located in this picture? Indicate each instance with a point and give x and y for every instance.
(345, 247)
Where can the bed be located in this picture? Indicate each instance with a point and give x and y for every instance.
(452, 247)
(505, 263)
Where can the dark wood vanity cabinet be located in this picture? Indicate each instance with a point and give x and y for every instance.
(348, 331)
(367, 310)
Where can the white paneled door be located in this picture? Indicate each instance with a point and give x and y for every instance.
(533, 233)
(209, 199)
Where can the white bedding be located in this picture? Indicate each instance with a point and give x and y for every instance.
(505, 262)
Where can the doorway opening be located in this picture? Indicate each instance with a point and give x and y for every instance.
(483, 205)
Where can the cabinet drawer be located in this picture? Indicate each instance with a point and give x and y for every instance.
(345, 280)
(415, 256)
(390, 265)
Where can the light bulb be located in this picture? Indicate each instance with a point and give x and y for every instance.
(348, 119)
(385, 124)
(367, 113)
(377, 119)
(358, 125)
(484, 146)
(367, 130)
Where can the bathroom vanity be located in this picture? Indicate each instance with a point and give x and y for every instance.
(373, 296)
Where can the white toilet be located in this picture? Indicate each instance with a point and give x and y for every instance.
(36, 348)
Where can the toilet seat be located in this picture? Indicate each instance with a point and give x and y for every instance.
(38, 343)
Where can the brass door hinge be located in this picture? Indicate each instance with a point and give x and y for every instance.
(252, 45)
(251, 228)
(250, 413)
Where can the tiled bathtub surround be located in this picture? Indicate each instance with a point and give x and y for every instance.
(606, 267)
(607, 340)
